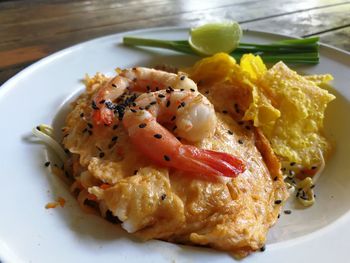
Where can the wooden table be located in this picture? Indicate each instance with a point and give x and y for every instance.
(30, 30)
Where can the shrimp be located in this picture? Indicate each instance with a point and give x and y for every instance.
(134, 80)
(192, 117)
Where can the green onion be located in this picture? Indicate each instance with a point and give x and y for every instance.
(295, 51)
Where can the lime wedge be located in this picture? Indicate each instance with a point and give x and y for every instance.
(215, 37)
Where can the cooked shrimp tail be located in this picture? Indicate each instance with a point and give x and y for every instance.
(194, 119)
(210, 162)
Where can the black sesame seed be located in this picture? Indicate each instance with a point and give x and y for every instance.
(275, 178)
(224, 111)
(47, 164)
(38, 128)
(173, 118)
(161, 96)
(102, 101)
(166, 158)
(115, 126)
(247, 127)
(133, 104)
(113, 85)
(278, 216)
(287, 212)
(90, 125)
(82, 115)
(90, 132)
(142, 125)
(102, 154)
(133, 110)
(263, 248)
(141, 108)
(114, 138)
(168, 103)
(303, 197)
(292, 163)
(147, 107)
(174, 128)
(109, 105)
(277, 202)
(291, 173)
(170, 88)
(158, 136)
(193, 90)
(182, 89)
(133, 68)
(182, 77)
(168, 91)
(98, 148)
(312, 186)
(65, 135)
(157, 88)
(163, 196)
(135, 172)
(240, 141)
(85, 130)
(93, 105)
(230, 132)
(183, 104)
(153, 103)
(314, 167)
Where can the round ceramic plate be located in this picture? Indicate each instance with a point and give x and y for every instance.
(41, 94)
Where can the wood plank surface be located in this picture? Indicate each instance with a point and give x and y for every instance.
(338, 38)
(30, 30)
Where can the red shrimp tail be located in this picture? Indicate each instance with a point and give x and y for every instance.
(235, 164)
(211, 162)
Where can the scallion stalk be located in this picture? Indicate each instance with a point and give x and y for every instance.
(303, 51)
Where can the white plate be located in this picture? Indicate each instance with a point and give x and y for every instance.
(38, 94)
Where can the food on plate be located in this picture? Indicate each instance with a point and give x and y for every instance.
(288, 109)
(59, 202)
(195, 157)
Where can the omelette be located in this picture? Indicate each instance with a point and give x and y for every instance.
(112, 176)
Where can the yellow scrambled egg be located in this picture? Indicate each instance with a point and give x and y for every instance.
(289, 108)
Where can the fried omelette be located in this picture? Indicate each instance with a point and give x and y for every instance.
(113, 177)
